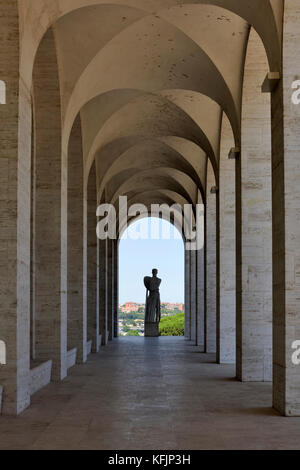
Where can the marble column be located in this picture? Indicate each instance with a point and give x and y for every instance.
(226, 251)
(110, 286)
(254, 223)
(50, 224)
(103, 290)
(210, 265)
(77, 249)
(187, 301)
(200, 254)
(116, 290)
(92, 265)
(193, 294)
(15, 155)
(286, 227)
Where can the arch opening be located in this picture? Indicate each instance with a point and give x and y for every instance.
(147, 244)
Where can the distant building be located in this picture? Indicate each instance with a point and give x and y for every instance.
(173, 306)
(134, 307)
(129, 307)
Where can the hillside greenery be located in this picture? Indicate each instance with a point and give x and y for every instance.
(133, 333)
(172, 326)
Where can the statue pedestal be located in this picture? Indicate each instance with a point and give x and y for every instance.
(152, 330)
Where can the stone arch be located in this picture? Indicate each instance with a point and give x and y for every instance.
(248, 14)
(138, 218)
(135, 219)
(154, 153)
(43, 17)
(165, 178)
(115, 133)
(212, 84)
(161, 200)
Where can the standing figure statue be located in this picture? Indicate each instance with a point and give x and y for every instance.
(152, 307)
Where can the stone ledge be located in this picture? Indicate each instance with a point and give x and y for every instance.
(71, 358)
(89, 347)
(40, 377)
(99, 343)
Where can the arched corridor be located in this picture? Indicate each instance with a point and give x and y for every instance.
(185, 111)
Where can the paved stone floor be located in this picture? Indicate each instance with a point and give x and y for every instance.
(151, 394)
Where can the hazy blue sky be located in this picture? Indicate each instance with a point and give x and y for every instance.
(139, 257)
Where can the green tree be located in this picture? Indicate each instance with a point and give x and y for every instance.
(133, 333)
(172, 326)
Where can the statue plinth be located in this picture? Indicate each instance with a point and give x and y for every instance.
(152, 330)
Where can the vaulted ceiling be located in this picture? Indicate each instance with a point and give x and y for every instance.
(150, 80)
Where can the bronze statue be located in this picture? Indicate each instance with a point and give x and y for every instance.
(152, 307)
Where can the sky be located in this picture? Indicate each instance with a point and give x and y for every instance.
(139, 256)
